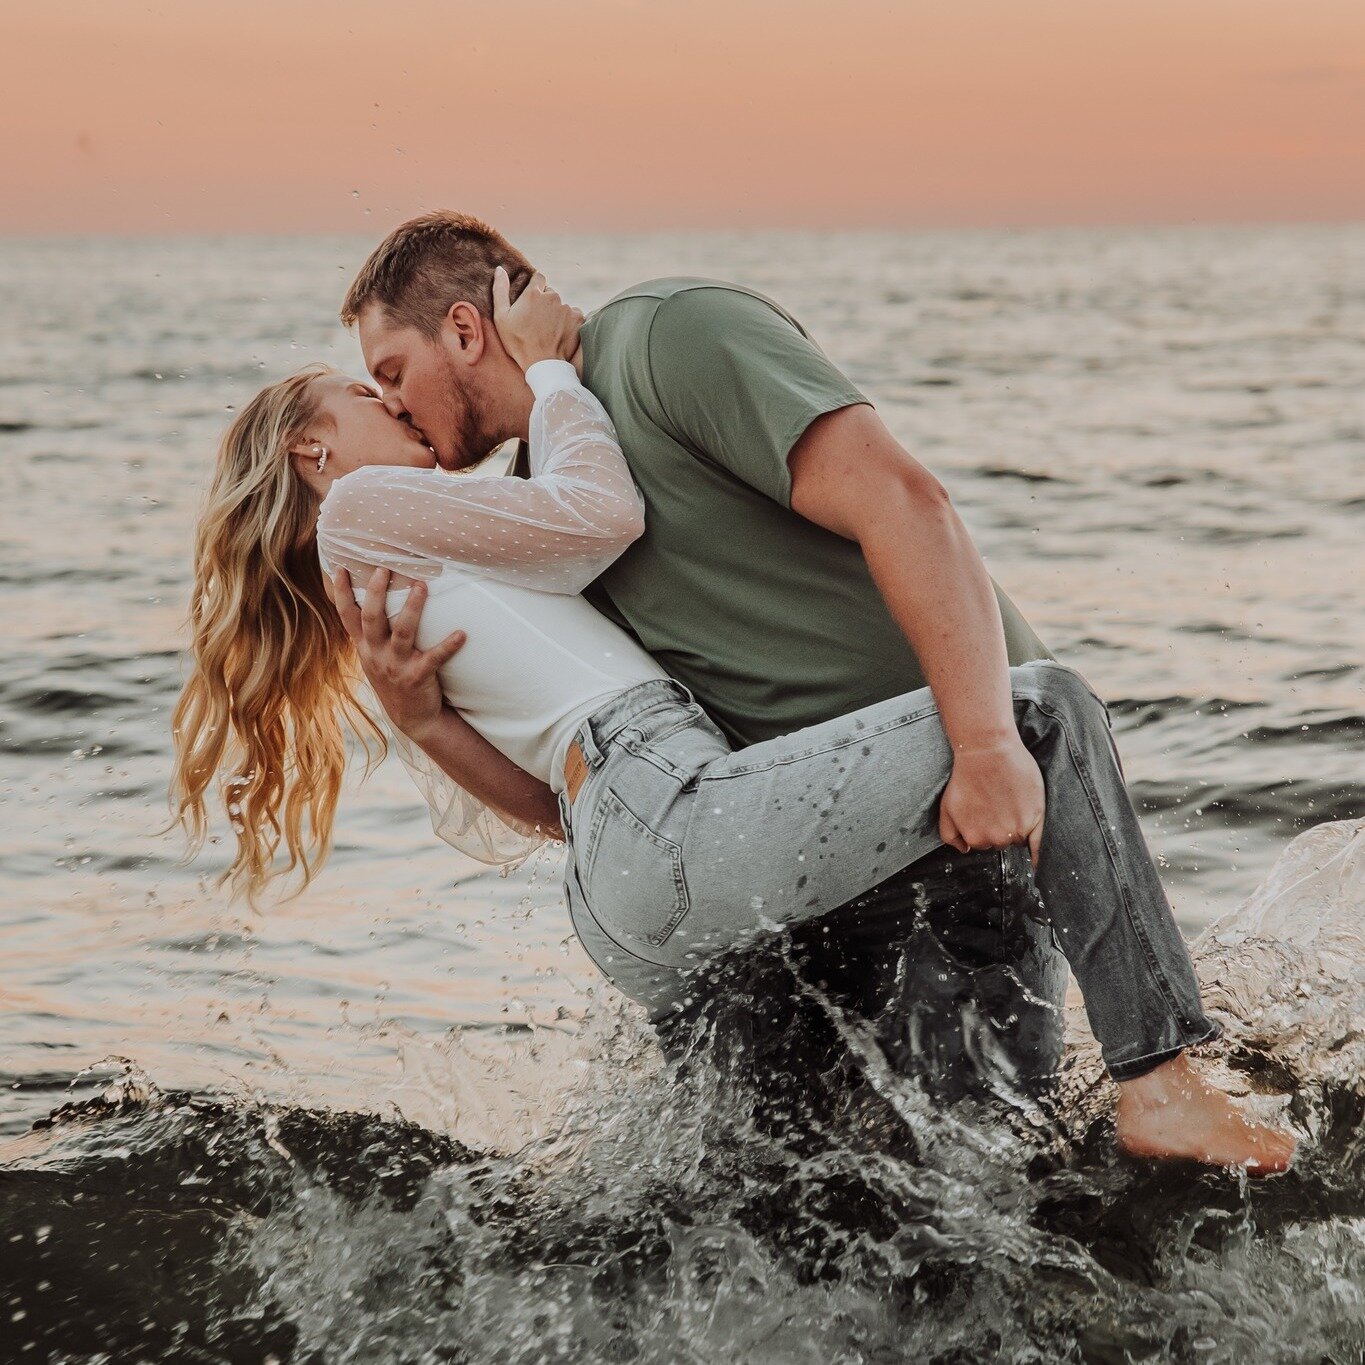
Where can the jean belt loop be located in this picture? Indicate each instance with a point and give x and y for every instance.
(587, 741)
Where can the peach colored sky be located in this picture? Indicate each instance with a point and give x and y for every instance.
(266, 115)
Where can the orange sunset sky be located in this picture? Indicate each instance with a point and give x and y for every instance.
(296, 116)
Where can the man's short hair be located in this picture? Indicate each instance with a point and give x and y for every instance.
(431, 262)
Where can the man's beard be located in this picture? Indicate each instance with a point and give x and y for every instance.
(471, 441)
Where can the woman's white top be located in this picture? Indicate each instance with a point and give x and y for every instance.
(506, 559)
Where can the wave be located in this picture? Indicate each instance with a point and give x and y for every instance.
(778, 1196)
(1295, 801)
(991, 471)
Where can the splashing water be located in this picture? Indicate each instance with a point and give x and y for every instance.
(781, 1200)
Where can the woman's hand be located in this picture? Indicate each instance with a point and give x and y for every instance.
(538, 326)
(406, 685)
(403, 677)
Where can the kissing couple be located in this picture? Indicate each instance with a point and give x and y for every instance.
(718, 630)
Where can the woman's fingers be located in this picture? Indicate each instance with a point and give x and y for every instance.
(502, 293)
(405, 623)
(538, 325)
(345, 603)
(1035, 841)
(441, 654)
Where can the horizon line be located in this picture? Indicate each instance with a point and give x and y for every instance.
(863, 229)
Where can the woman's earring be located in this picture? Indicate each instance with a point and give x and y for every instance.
(322, 456)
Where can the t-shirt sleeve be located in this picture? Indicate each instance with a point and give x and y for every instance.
(738, 382)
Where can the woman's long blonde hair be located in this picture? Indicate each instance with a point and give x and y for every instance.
(264, 712)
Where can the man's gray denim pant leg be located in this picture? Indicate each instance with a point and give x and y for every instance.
(941, 963)
(947, 959)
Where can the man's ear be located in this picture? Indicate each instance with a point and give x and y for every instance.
(465, 332)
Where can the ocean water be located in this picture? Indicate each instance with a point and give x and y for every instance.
(1158, 439)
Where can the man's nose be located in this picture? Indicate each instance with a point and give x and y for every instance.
(394, 404)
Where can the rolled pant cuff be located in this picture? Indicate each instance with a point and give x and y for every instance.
(1140, 1066)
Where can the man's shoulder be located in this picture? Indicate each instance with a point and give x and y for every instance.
(622, 338)
(675, 330)
(689, 288)
(668, 286)
(673, 315)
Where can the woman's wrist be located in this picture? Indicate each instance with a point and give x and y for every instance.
(423, 729)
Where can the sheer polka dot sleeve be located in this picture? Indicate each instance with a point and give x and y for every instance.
(459, 817)
(555, 531)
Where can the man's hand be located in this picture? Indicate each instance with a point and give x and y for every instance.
(922, 559)
(994, 799)
(403, 676)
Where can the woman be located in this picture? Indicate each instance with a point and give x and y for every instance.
(679, 846)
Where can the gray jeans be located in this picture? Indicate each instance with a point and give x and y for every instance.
(683, 849)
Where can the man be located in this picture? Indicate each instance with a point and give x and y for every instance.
(797, 563)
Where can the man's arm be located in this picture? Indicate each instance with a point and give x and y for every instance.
(741, 384)
(851, 476)
(405, 683)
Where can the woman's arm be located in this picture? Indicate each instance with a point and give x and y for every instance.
(488, 775)
(405, 683)
(556, 531)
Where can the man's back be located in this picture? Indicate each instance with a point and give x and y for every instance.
(772, 621)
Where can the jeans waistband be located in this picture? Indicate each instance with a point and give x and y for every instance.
(627, 708)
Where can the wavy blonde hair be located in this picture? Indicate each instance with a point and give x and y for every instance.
(264, 713)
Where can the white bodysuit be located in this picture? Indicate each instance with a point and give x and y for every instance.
(506, 559)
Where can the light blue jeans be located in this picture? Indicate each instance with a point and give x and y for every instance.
(682, 848)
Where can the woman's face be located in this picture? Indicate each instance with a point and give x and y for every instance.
(358, 430)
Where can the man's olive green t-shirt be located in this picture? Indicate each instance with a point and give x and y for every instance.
(773, 622)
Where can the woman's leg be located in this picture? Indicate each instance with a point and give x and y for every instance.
(806, 821)
(782, 831)
(691, 847)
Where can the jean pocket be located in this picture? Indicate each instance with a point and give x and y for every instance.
(632, 877)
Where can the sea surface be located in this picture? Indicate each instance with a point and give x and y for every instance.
(1157, 437)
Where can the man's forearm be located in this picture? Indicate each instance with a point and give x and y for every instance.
(468, 758)
(932, 578)
(938, 591)
(851, 476)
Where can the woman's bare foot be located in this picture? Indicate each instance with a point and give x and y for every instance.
(1174, 1112)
